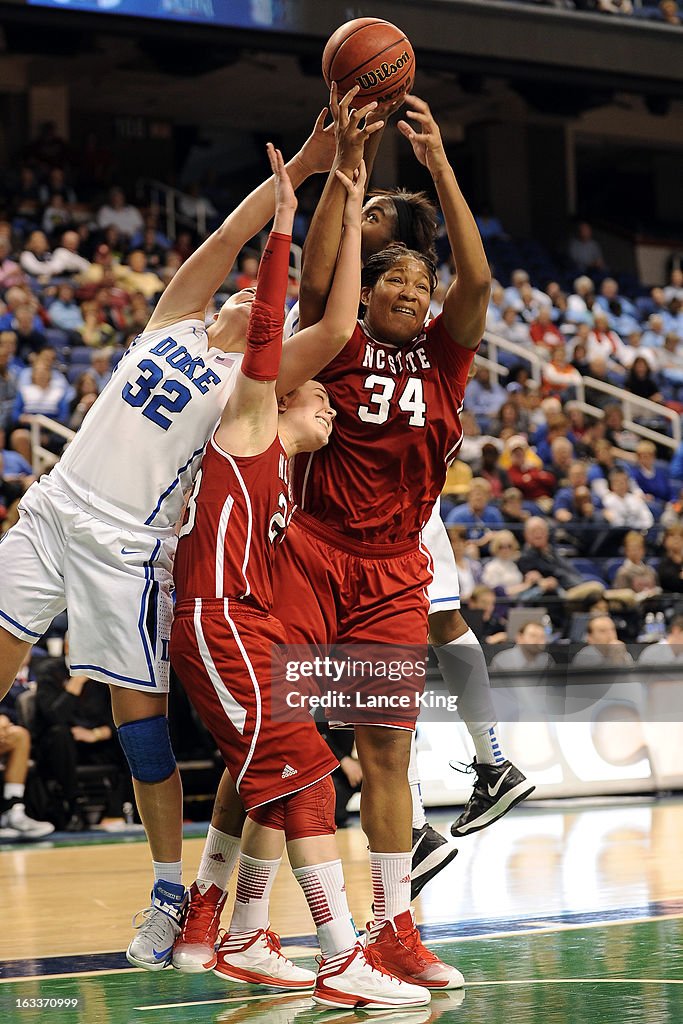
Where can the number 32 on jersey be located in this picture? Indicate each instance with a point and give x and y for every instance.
(411, 400)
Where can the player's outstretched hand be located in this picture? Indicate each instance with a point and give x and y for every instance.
(355, 193)
(285, 198)
(317, 152)
(352, 129)
(427, 142)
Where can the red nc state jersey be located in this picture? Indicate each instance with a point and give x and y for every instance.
(397, 428)
(237, 513)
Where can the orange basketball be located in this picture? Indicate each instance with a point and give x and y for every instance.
(373, 54)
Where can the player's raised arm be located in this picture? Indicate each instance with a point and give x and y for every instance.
(307, 352)
(249, 421)
(464, 308)
(322, 240)
(188, 294)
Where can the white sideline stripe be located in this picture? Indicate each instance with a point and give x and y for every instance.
(257, 692)
(305, 1004)
(247, 500)
(220, 543)
(233, 709)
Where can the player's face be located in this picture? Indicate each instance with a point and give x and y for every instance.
(308, 418)
(398, 303)
(379, 224)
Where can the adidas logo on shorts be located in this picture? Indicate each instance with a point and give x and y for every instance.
(288, 771)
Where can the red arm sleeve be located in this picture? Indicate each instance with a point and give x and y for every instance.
(267, 318)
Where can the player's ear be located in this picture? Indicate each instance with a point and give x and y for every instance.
(365, 295)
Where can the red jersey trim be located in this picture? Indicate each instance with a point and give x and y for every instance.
(250, 515)
(352, 547)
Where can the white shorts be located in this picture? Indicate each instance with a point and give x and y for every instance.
(115, 582)
(444, 590)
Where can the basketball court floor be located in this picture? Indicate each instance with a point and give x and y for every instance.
(564, 912)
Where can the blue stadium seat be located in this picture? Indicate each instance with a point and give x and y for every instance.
(80, 356)
(589, 569)
(57, 339)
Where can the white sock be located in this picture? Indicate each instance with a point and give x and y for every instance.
(419, 818)
(219, 857)
(252, 898)
(486, 745)
(170, 871)
(463, 667)
(13, 791)
(390, 884)
(325, 892)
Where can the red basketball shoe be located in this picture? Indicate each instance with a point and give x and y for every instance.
(400, 947)
(194, 950)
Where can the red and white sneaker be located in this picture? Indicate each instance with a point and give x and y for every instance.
(357, 979)
(194, 951)
(255, 958)
(400, 947)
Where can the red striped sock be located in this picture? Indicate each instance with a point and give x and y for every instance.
(254, 881)
(390, 884)
(325, 892)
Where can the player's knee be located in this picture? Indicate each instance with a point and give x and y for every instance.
(446, 626)
(311, 811)
(383, 752)
(147, 746)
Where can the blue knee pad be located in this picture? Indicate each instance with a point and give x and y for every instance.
(147, 746)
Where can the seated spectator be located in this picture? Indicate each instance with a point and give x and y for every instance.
(558, 575)
(496, 308)
(117, 212)
(100, 366)
(560, 378)
(153, 244)
(544, 334)
(65, 312)
(8, 381)
(484, 397)
(633, 349)
(524, 299)
(559, 300)
(674, 289)
(66, 259)
(615, 305)
(653, 480)
(501, 572)
(615, 6)
(564, 500)
(584, 252)
(512, 329)
(511, 419)
(655, 332)
(529, 653)
(670, 568)
(561, 459)
(10, 271)
(85, 393)
(640, 381)
(490, 470)
(492, 630)
(469, 568)
(634, 572)
(136, 278)
(623, 507)
(489, 225)
(95, 331)
(247, 270)
(603, 647)
(668, 650)
(45, 394)
(513, 511)
(56, 215)
(31, 339)
(604, 343)
(624, 439)
(15, 751)
(605, 461)
(458, 479)
(477, 514)
(580, 303)
(532, 480)
(73, 726)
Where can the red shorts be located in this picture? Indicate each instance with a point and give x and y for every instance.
(223, 654)
(329, 590)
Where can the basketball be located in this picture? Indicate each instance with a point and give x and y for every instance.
(373, 54)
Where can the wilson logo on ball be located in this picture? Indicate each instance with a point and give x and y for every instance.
(371, 78)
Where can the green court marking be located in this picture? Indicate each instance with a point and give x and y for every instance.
(626, 973)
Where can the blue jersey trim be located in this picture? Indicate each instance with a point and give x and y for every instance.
(149, 577)
(18, 625)
(114, 675)
(162, 499)
(440, 600)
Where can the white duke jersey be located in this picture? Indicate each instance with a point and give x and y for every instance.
(142, 442)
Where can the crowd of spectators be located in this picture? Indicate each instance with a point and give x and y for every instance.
(667, 12)
(550, 508)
